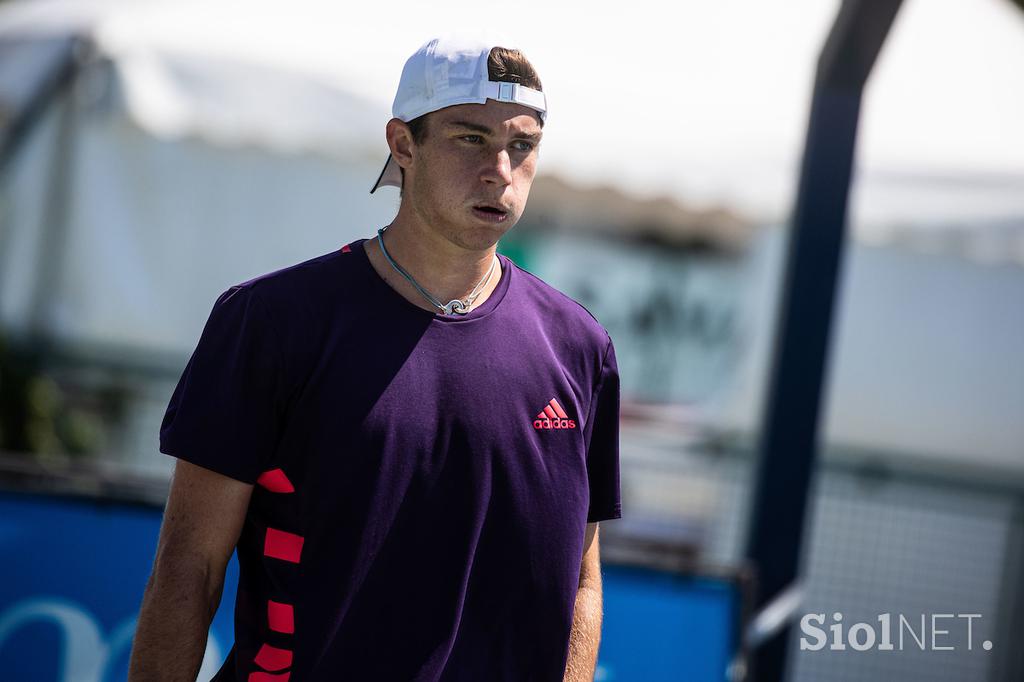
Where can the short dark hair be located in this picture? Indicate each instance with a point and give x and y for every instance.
(504, 65)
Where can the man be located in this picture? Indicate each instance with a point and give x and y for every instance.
(410, 440)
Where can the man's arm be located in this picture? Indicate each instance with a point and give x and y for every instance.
(586, 619)
(202, 521)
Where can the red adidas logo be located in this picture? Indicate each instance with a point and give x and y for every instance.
(553, 417)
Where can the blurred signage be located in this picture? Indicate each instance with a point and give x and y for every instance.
(73, 578)
(75, 570)
(677, 318)
(664, 626)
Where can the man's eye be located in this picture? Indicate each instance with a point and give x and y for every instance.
(472, 138)
(523, 146)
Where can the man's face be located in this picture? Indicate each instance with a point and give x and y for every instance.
(470, 177)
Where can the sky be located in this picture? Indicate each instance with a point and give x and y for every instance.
(703, 101)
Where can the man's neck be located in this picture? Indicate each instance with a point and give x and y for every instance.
(446, 270)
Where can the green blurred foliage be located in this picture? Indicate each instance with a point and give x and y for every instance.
(39, 416)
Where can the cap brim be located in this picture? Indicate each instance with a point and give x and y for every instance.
(391, 176)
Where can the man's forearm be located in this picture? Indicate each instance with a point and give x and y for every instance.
(585, 636)
(174, 624)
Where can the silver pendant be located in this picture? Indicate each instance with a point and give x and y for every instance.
(455, 307)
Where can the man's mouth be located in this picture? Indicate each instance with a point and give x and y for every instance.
(489, 208)
(490, 212)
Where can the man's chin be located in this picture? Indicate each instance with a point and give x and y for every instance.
(482, 237)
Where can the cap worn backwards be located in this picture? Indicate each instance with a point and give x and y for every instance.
(445, 72)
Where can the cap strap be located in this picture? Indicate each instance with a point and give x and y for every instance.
(514, 92)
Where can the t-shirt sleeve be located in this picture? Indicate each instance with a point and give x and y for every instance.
(226, 412)
(602, 439)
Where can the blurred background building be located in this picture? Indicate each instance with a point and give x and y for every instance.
(155, 153)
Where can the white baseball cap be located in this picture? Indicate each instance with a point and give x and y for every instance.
(445, 72)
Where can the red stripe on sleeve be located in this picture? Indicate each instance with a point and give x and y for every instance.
(275, 481)
(272, 658)
(269, 677)
(280, 544)
(281, 617)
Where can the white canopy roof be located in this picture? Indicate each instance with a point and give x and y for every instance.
(711, 106)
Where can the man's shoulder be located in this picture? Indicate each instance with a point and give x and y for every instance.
(557, 306)
(305, 282)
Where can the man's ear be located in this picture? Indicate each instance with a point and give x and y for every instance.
(400, 141)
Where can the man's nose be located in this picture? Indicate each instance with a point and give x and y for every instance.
(499, 169)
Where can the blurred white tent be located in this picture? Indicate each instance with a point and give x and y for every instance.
(157, 181)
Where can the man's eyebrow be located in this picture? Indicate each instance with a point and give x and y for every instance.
(479, 128)
(533, 137)
(475, 127)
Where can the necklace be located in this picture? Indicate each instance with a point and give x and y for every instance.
(455, 306)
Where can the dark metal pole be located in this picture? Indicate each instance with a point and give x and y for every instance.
(789, 433)
(62, 57)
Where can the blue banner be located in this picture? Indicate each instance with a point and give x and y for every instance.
(73, 576)
(74, 572)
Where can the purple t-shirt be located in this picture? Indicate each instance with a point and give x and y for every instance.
(423, 482)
